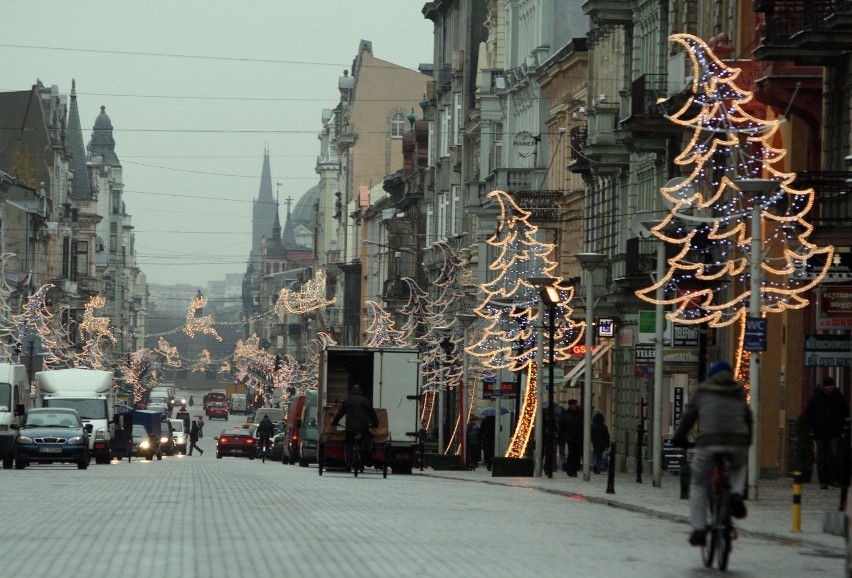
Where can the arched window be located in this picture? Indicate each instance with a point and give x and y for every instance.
(397, 126)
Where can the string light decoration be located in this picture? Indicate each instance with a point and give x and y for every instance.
(8, 333)
(136, 372)
(510, 308)
(59, 344)
(95, 331)
(309, 297)
(712, 207)
(203, 363)
(419, 317)
(380, 328)
(326, 339)
(35, 317)
(202, 324)
(170, 353)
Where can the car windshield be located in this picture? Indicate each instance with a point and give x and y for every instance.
(139, 432)
(5, 396)
(52, 419)
(177, 425)
(86, 408)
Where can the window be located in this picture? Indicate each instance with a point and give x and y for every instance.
(397, 126)
(81, 256)
(443, 215)
(113, 237)
(116, 203)
(430, 224)
(453, 226)
(444, 136)
(457, 102)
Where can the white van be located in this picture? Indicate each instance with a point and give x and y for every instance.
(239, 403)
(15, 400)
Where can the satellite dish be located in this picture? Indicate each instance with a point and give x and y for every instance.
(642, 222)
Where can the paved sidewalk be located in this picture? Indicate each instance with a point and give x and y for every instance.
(770, 517)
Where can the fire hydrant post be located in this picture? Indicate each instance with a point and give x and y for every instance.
(797, 502)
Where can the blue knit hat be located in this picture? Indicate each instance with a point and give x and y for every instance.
(718, 367)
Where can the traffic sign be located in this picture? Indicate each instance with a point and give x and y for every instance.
(755, 334)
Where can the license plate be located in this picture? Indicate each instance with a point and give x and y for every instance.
(235, 451)
(50, 450)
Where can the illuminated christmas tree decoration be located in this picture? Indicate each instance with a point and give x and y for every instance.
(8, 332)
(510, 308)
(418, 312)
(310, 297)
(712, 208)
(202, 324)
(326, 339)
(380, 328)
(518, 445)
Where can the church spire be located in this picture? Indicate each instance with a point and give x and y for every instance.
(80, 184)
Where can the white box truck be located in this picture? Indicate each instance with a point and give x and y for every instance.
(15, 400)
(91, 393)
(389, 376)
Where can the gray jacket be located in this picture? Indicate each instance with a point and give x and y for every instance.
(719, 406)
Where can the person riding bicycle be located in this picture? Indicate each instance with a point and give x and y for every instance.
(360, 417)
(724, 427)
(191, 402)
(265, 431)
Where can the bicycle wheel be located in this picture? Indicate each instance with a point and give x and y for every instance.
(723, 530)
(708, 550)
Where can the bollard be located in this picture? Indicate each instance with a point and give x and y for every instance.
(684, 477)
(610, 471)
(797, 502)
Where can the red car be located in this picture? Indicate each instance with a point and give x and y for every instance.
(238, 443)
(218, 409)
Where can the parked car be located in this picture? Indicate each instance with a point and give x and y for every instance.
(167, 441)
(143, 445)
(52, 434)
(217, 409)
(180, 435)
(237, 443)
(276, 450)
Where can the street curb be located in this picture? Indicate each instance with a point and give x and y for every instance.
(801, 542)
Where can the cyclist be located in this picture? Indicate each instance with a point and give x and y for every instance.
(725, 422)
(265, 431)
(360, 417)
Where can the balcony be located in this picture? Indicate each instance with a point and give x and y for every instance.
(514, 180)
(805, 31)
(646, 127)
(831, 214)
(610, 12)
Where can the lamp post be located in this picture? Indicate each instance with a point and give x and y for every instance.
(758, 186)
(465, 320)
(549, 297)
(588, 261)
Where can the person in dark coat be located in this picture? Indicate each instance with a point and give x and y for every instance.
(194, 434)
(474, 444)
(600, 441)
(486, 435)
(360, 417)
(571, 432)
(827, 413)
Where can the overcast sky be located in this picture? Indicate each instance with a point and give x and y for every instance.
(195, 90)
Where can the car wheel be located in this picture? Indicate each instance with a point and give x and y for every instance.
(159, 455)
(8, 463)
(20, 464)
(251, 457)
(83, 463)
(218, 456)
(149, 457)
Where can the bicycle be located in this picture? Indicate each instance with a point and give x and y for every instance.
(720, 527)
(265, 443)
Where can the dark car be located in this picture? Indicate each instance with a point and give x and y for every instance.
(292, 430)
(167, 438)
(143, 445)
(217, 409)
(49, 435)
(276, 450)
(238, 443)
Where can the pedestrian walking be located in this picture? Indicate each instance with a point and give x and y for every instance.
(600, 441)
(571, 432)
(194, 434)
(486, 435)
(474, 444)
(827, 412)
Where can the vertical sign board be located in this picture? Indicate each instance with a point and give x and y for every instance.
(677, 409)
(755, 334)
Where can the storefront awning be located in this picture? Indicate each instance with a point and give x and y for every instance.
(579, 370)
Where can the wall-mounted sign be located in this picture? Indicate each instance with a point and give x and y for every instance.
(606, 328)
(828, 350)
(835, 310)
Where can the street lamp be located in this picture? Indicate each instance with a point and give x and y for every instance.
(549, 296)
(588, 261)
